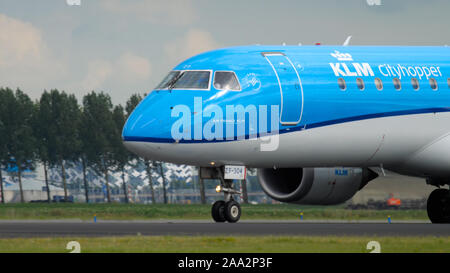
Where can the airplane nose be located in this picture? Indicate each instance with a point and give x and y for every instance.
(146, 122)
(148, 130)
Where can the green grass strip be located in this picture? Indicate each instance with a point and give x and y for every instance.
(226, 244)
(44, 211)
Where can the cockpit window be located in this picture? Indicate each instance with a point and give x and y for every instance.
(168, 80)
(224, 80)
(186, 79)
(192, 80)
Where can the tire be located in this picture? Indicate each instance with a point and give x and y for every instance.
(438, 206)
(232, 211)
(217, 211)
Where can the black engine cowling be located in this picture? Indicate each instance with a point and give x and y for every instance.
(314, 186)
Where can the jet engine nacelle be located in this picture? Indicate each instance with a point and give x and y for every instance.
(314, 186)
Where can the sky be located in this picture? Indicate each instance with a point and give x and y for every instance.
(123, 47)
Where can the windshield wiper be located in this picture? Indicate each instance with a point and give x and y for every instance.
(171, 84)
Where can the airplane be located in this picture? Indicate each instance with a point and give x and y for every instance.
(318, 122)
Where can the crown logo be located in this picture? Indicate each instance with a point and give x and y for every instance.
(342, 56)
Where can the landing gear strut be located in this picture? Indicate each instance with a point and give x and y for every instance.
(226, 210)
(438, 206)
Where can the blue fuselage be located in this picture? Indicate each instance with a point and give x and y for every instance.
(303, 82)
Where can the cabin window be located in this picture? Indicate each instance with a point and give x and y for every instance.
(397, 84)
(415, 84)
(360, 83)
(379, 84)
(224, 80)
(341, 83)
(168, 79)
(192, 80)
(433, 84)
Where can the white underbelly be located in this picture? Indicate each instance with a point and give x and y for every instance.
(388, 141)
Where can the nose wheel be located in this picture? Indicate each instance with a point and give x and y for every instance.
(222, 211)
(218, 211)
(232, 211)
(227, 210)
(438, 206)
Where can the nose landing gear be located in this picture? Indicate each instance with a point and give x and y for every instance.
(222, 211)
(218, 211)
(228, 210)
(438, 206)
(232, 211)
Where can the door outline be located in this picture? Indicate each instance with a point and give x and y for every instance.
(265, 54)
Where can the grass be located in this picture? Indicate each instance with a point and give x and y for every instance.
(225, 244)
(115, 211)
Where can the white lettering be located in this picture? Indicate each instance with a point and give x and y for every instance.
(419, 71)
(215, 123)
(240, 115)
(411, 70)
(363, 69)
(392, 73)
(427, 71)
(198, 118)
(181, 128)
(381, 71)
(398, 72)
(337, 71)
(404, 70)
(347, 71)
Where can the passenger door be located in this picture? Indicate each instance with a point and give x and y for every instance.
(290, 87)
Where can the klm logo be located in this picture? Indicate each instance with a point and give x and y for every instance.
(353, 69)
(342, 56)
(349, 69)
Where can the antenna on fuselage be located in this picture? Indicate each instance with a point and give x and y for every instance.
(347, 41)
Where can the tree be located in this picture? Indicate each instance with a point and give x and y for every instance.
(19, 140)
(99, 134)
(131, 104)
(244, 190)
(57, 130)
(148, 167)
(44, 136)
(1, 186)
(121, 155)
(245, 182)
(68, 141)
(201, 184)
(84, 152)
(3, 151)
(161, 170)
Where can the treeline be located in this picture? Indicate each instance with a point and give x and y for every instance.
(57, 128)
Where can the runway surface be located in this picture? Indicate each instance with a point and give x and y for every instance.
(11, 229)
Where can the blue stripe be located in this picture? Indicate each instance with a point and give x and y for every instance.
(303, 127)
